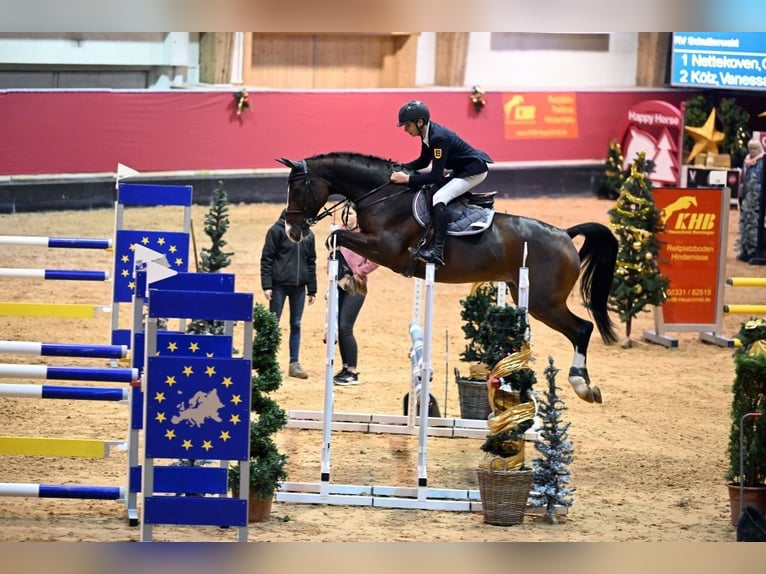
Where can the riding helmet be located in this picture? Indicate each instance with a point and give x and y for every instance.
(413, 111)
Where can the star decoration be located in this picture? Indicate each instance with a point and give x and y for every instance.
(706, 138)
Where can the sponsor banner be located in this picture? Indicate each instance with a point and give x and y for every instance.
(693, 245)
(654, 127)
(540, 115)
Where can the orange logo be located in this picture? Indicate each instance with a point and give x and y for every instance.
(437, 153)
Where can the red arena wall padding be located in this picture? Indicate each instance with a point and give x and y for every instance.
(53, 132)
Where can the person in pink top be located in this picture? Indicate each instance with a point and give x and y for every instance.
(352, 292)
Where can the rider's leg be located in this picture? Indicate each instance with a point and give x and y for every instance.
(452, 189)
(440, 222)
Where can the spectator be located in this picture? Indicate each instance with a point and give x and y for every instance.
(750, 202)
(288, 272)
(352, 292)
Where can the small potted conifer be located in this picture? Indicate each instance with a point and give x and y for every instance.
(267, 464)
(746, 471)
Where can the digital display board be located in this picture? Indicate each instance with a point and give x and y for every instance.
(723, 60)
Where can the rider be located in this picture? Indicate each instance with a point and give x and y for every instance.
(443, 149)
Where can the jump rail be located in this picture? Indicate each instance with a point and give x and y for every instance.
(57, 310)
(54, 274)
(115, 375)
(56, 242)
(62, 491)
(58, 392)
(63, 350)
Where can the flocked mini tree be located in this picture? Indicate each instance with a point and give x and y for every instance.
(637, 281)
(214, 258)
(613, 177)
(551, 470)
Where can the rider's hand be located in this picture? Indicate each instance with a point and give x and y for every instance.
(400, 177)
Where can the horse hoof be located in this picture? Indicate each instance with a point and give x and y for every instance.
(596, 394)
(583, 391)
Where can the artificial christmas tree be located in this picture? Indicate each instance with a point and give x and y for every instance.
(613, 176)
(551, 470)
(214, 258)
(636, 220)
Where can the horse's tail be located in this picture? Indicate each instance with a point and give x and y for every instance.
(598, 257)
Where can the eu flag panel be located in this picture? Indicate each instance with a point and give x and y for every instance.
(198, 408)
(173, 244)
(172, 343)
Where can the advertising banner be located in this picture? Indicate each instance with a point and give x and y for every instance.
(535, 115)
(693, 258)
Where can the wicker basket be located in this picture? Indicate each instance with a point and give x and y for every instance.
(474, 401)
(504, 495)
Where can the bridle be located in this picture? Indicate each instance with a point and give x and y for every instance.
(300, 172)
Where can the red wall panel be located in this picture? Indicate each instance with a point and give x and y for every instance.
(53, 132)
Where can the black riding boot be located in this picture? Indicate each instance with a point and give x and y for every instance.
(436, 253)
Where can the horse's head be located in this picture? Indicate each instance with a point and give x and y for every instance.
(305, 197)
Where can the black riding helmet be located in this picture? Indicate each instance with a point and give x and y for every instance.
(413, 111)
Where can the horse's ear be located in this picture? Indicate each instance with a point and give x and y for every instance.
(288, 162)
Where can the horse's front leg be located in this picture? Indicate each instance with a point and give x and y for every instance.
(361, 243)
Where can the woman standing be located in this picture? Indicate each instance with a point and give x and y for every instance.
(750, 205)
(352, 292)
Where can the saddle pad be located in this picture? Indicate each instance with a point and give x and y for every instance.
(464, 219)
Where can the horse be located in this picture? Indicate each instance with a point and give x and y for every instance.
(388, 229)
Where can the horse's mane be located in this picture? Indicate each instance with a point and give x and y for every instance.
(365, 159)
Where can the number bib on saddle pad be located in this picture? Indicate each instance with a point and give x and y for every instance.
(464, 219)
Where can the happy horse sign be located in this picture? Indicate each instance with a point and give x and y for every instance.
(693, 257)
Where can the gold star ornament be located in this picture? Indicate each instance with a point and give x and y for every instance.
(706, 138)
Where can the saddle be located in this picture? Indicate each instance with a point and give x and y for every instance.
(469, 214)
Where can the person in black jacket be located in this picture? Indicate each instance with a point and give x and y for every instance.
(443, 149)
(288, 271)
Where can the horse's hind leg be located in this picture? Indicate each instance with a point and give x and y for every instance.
(578, 331)
(578, 372)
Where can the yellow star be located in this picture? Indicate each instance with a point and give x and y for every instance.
(145, 240)
(125, 258)
(170, 380)
(227, 382)
(159, 397)
(179, 261)
(236, 399)
(187, 444)
(170, 434)
(172, 347)
(210, 371)
(224, 436)
(706, 138)
(125, 273)
(207, 445)
(194, 347)
(160, 417)
(160, 241)
(234, 419)
(172, 249)
(188, 371)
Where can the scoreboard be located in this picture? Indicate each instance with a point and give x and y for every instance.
(723, 60)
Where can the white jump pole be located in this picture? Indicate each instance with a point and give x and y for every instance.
(329, 397)
(412, 397)
(524, 289)
(425, 385)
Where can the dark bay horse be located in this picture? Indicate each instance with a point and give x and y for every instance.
(388, 229)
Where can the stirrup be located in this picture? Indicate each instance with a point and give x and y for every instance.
(430, 256)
